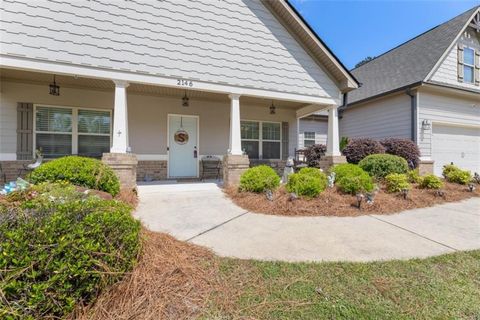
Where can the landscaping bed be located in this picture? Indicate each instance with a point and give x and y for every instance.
(332, 202)
(178, 280)
(379, 178)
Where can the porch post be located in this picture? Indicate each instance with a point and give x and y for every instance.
(123, 163)
(120, 119)
(234, 162)
(333, 155)
(333, 139)
(235, 142)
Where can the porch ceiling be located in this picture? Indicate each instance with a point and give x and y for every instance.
(39, 78)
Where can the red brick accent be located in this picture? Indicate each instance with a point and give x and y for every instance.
(12, 168)
(151, 170)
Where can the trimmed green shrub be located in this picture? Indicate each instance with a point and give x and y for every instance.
(357, 149)
(307, 183)
(312, 172)
(314, 154)
(344, 169)
(259, 179)
(381, 165)
(454, 174)
(396, 182)
(431, 181)
(413, 176)
(356, 183)
(405, 148)
(87, 172)
(59, 248)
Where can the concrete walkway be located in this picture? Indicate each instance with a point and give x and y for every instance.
(201, 214)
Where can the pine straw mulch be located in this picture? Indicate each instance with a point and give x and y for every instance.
(172, 280)
(332, 202)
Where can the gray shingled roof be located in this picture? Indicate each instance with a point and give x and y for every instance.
(408, 63)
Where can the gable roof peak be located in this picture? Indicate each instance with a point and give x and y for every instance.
(410, 62)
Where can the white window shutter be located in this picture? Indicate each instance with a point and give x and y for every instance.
(460, 62)
(477, 67)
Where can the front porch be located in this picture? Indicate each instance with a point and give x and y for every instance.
(167, 131)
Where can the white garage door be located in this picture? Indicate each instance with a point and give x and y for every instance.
(460, 145)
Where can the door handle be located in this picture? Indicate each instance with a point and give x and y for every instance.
(195, 152)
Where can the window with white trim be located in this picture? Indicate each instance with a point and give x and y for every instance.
(61, 131)
(468, 65)
(308, 139)
(261, 139)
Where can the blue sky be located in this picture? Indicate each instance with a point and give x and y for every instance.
(356, 29)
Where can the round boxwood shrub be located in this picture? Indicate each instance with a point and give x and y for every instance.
(86, 172)
(344, 169)
(381, 165)
(356, 183)
(413, 176)
(307, 183)
(357, 149)
(405, 148)
(431, 181)
(454, 174)
(396, 182)
(60, 248)
(259, 179)
(314, 153)
(312, 172)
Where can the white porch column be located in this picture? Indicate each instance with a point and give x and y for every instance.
(120, 119)
(333, 139)
(235, 142)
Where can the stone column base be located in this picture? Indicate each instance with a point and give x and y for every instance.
(329, 161)
(125, 167)
(425, 167)
(233, 167)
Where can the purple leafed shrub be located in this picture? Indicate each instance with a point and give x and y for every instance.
(314, 153)
(357, 149)
(404, 148)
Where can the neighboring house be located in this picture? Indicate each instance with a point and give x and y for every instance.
(427, 90)
(201, 78)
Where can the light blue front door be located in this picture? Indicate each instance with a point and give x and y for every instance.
(183, 143)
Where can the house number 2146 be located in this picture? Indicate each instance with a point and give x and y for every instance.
(184, 83)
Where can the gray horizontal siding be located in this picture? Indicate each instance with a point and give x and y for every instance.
(386, 117)
(447, 71)
(236, 42)
(320, 127)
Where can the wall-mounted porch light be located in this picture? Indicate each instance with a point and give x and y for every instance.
(272, 108)
(185, 100)
(54, 88)
(426, 124)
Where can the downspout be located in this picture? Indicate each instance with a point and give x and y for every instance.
(413, 109)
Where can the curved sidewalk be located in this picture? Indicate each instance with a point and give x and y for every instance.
(201, 214)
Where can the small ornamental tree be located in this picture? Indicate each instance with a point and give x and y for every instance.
(314, 153)
(357, 149)
(404, 148)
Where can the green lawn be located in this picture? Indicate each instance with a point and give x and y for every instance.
(444, 287)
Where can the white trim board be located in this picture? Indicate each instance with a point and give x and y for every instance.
(21, 63)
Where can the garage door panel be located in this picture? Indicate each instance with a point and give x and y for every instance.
(460, 145)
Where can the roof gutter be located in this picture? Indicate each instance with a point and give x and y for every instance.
(410, 86)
